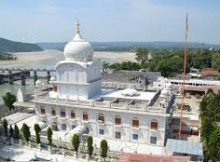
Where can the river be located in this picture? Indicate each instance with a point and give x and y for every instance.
(41, 63)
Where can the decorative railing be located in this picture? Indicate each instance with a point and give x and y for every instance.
(100, 104)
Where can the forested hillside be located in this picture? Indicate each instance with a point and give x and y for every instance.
(11, 46)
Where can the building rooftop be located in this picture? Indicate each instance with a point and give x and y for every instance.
(184, 147)
(118, 94)
(209, 71)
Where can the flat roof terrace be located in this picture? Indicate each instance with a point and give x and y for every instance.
(142, 96)
(112, 100)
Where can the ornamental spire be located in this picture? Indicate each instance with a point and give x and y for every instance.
(77, 30)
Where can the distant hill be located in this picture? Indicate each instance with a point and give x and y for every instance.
(11, 46)
(130, 46)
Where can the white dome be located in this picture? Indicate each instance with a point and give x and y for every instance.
(165, 92)
(129, 92)
(53, 78)
(169, 85)
(78, 49)
(38, 82)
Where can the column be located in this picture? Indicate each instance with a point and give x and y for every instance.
(22, 78)
(35, 76)
(10, 77)
(48, 76)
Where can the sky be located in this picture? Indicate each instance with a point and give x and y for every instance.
(110, 20)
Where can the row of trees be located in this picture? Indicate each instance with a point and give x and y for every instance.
(210, 129)
(122, 66)
(14, 133)
(7, 56)
(103, 145)
(170, 62)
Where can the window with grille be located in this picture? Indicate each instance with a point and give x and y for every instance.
(63, 126)
(101, 117)
(117, 120)
(118, 135)
(101, 131)
(154, 125)
(135, 136)
(85, 116)
(72, 114)
(42, 111)
(153, 140)
(63, 113)
(135, 123)
(53, 112)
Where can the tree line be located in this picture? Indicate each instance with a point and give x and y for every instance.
(7, 56)
(170, 61)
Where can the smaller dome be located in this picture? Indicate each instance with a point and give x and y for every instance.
(38, 82)
(169, 85)
(52, 78)
(129, 92)
(165, 92)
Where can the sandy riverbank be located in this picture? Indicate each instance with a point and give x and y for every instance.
(30, 59)
(118, 56)
(26, 59)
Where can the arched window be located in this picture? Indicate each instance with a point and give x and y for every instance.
(72, 114)
(101, 117)
(117, 120)
(135, 122)
(42, 110)
(154, 124)
(62, 113)
(53, 111)
(85, 116)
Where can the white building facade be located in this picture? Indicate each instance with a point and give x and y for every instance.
(78, 102)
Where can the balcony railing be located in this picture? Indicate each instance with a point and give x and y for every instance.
(99, 104)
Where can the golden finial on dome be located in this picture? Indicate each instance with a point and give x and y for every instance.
(77, 27)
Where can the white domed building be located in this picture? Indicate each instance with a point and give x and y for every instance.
(78, 76)
(77, 105)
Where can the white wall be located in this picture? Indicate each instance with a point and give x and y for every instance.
(144, 132)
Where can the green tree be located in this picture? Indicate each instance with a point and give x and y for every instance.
(216, 61)
(89, 145)
(16, 132)
(11, 131)
(165, 67)
(75, 142)
(214, 143)
(49, 136)
(206, 130)
(105, 65)
(104, 149)
(210, 132)
(5, 125)
(142, 55)
(26, 132)
(9, 99)
(37, 130)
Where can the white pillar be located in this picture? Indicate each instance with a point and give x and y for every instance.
(29, 143)
(20, 142)
(12, 141)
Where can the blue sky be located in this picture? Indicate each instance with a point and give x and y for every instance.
(110, 20)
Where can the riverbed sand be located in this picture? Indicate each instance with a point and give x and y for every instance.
(28, 59)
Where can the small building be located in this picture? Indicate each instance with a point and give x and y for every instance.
(185, 148)
(210, 74)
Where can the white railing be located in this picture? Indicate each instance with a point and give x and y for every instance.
(100, 104)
